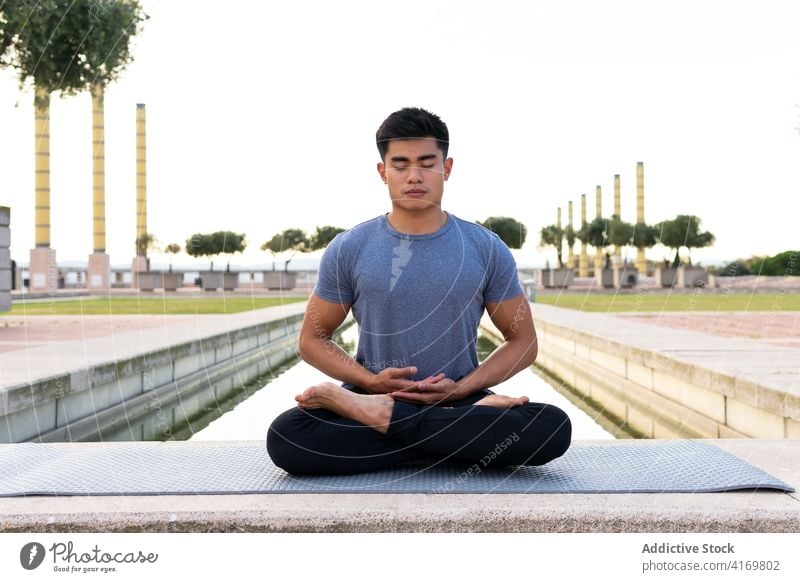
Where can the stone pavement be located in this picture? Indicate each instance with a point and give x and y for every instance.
(780, 328)
(39, 347)
(22, 333)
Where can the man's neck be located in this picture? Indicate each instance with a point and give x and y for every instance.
(423, 222)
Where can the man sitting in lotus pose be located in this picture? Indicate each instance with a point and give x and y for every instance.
(418, 280)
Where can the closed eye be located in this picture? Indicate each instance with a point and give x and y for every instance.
(405, 167)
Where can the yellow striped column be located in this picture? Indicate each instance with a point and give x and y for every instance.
(598, 202)
(98, 169)
(99, 261)
(598, 213)
(571, 256)
(42, 269)
(141, 173)
(641, 261)
(617, 212)
(558, 226)
(583, 258)
(140, 262)
(42, 152)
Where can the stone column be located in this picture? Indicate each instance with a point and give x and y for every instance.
(99, 276)
(5, 258)
(561, 243)
(140, 262)
(618, 214)
(641, 262)
(571, 256)
(599, 259)
(583, 258)
(43, 270)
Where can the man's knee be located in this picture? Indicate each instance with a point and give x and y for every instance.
(549, 434)
(282, 441)
(558, 434)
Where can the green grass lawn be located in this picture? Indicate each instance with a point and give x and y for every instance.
(584, 302)
(147, 305)
(674, 301)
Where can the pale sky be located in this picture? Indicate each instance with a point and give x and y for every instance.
(262, 116)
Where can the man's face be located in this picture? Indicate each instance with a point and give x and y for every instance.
(415, 172)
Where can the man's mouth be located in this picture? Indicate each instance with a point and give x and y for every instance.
(415, 193)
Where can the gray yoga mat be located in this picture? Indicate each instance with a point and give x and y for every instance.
(219, 468)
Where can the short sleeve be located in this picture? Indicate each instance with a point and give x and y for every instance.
(334, 280)
(503, 280)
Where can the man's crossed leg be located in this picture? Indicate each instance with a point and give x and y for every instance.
(338, 431)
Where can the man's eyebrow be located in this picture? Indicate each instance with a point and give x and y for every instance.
(421, 158)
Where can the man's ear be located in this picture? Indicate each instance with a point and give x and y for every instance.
(448, 167)
(382, 171)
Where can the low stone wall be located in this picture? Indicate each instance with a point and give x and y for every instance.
(5, 258)
(656, 394)
(141, 397)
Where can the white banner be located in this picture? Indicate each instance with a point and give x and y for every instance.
(400, 557)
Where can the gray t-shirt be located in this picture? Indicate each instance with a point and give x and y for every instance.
(418, 299)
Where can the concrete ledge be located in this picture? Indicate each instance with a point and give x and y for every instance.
(694, 383)
(757, 511)
(22, 295)
(176, 373)
(5, 259)
(174, 394)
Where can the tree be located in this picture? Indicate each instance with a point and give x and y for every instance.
(602, 232)
(569, 234)
(737, 268)
(221, 242)
(552, 236)
(107, 41)
(291, 239)
(645, 236)
(620, 233)
(323, 237)
(683, 231)
(68, 45)
(199, 245)
(510, 231)
(595, 233)
(786, 263)
(144, 243)
(172, 249)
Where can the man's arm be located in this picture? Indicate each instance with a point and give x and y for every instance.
(318, 349)
(513, 318)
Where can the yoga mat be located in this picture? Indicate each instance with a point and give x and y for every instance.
(681, 466)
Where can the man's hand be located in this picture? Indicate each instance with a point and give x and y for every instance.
(391, 379)
(431, 390)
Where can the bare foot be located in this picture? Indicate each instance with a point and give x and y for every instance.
(500, 401)
(374, 410)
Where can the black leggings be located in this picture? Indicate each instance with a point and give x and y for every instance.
(320, 442)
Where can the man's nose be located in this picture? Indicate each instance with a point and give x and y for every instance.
(415, 174)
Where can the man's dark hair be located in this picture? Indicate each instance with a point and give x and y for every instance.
(412, 123)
